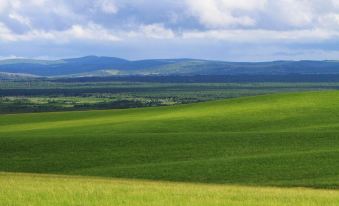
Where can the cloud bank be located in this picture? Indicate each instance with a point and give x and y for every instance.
(241, 30)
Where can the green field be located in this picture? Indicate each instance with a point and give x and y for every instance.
(256, 143)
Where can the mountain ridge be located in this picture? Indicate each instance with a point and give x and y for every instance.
(94, 65)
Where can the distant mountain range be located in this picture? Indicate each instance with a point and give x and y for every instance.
(92, 66)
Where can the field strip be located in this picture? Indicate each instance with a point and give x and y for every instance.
(38, 190)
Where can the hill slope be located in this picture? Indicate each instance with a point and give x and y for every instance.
(280, 140)
(93, 66)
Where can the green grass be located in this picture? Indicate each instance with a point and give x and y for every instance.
(281, 140)
(41, 190)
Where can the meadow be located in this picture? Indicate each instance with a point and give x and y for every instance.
(275, 141)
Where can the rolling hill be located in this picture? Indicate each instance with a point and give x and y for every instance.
(280, 140)
(275, 140)
(108, 66)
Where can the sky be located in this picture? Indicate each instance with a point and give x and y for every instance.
(230, 30)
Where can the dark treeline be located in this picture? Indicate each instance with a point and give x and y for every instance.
(84, 92)
(292, 78)
(22, 107)
(68, 92)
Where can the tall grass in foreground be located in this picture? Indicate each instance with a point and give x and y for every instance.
(41, 190)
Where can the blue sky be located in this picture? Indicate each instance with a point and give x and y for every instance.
(232, 30)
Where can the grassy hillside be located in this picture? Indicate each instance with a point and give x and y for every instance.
(273, 140)
(41, 190)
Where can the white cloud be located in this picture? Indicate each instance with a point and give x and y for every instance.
(76, 32)
(91, 32)
(293, 13)
(15, 4)
(10, 57)
(222, 13)
(263, 36)
(21, 19)
(38, 2)
(40, 14)
(157, 31)
(330, 20)
(246, 5)
(263, 14)
(3, 5)
(107, 6)
(335, 3)
(5, 33)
